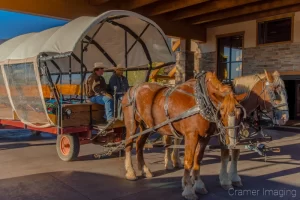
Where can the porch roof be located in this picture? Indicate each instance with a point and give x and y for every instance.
(186, 19)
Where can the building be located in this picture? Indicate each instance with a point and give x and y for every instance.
(271, 43)
(231, 37)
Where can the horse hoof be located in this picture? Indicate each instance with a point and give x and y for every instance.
(177, 165)
(227, 187)
(131, 177)
(189, 193)
(237, 183)
(169, 166)
(191, 197)
(201, 191)
(148, 175)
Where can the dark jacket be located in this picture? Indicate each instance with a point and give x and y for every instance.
(95, 85)
(120, 82)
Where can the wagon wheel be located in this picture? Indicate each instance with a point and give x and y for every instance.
(36, 133)
(67, 147)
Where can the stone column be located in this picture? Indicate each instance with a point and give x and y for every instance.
(184, 63)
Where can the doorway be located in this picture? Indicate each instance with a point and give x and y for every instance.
(290, 86)
(229, 62)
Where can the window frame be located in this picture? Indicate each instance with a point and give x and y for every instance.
(278, 17)
(217, 50)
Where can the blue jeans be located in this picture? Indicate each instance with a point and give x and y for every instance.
(108, 104)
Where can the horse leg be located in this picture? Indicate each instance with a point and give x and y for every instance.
(233, 175)
(224, 177)
(140, 142)
(130, 173)
(168, 163)
(190, 147)
(199, 186)
(175, 154)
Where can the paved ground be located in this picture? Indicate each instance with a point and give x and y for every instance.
(30, 169)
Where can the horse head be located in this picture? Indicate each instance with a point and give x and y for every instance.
(231, 113)
(274, 98)
(216, 90)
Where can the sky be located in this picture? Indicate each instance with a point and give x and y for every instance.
(14, 24)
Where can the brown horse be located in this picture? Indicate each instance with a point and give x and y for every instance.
(145, 106)
(267, 92)
(264, 91)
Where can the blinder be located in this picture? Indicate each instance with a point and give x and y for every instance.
(274, 96)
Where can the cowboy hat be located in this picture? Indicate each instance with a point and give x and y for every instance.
(99, 65)
(119, 68)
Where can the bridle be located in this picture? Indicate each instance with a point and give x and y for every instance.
(210, 111)
(269, 88)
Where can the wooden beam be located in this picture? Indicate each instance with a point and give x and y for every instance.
(208, 7)
(289, 73)
(254, 16)
(168, 6)
(51, 8)
(97, 2)
(124, 5)
(180, 29)
(176, 45)
(263, 6)
(70, 10)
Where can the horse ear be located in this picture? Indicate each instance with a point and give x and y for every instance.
(269, 77)
(276, 73)
(241, 97)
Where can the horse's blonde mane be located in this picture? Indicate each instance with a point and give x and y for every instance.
(245, 84)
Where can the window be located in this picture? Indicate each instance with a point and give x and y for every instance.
(230, 57)
(279, 30)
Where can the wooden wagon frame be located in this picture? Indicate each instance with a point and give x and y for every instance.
(38, 90)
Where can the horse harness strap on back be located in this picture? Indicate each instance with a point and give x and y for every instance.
(206, 108)
(174, 132)
(203, 106)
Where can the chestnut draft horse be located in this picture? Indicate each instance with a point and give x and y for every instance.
(149, 104)
(265, 92)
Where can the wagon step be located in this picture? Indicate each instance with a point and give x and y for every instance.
(114, 124)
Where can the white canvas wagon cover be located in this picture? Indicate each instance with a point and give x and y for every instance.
(115, 38)
(114, 32)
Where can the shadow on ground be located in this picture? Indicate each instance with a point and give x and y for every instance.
(8, 135)
(22, 145)
(77, 185)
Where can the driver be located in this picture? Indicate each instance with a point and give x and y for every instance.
(96, 90)
(119, 81)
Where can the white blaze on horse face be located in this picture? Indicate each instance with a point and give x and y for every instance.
(282, 112)
(231, 130)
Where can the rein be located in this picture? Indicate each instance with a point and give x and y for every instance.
(266, 87)
(208, 110)
(204, 107)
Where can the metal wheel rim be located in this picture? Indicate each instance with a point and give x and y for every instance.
(65, 145)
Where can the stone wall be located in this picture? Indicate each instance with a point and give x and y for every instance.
(184, 66)
(281, 57)
(208, 61)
